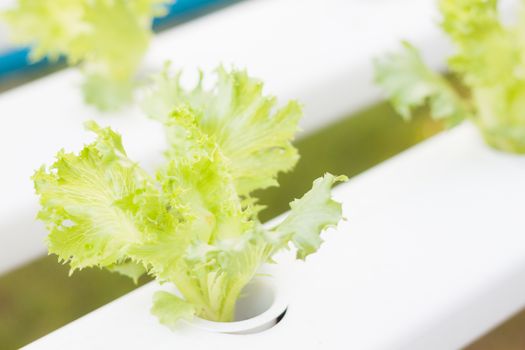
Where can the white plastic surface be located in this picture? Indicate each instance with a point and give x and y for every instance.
(432, 256)
(318, 52)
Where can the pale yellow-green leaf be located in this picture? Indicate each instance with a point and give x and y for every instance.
(108, 38)
(129, 269)
(80, 197)
(170, 309)
(251, 132)
(309, 216)
(409, 84)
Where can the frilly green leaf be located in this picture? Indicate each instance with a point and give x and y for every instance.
(129, 269)
(488, 59)
(170, 309)
(252, 134)
(79, 196)
(409, 83)
(308, 217)
(486, 53)
(195, 224)
(108, 37)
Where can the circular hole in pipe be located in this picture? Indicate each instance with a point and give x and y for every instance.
(261, 306)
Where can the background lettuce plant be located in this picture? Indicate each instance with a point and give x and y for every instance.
(107, 37)
(195, 223)
(489, 59)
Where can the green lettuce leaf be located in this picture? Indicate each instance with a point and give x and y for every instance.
(80, 197)
(194, 224)
(488, 59)
(170, 309)
(197, 255)
(129, 269)
(109, 38)
(485, 52)
(107, 93)
(308, 217)
(250, 131)
(409, 84)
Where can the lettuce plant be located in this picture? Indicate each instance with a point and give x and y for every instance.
(195, 222)
(107, 37)
(489, 59)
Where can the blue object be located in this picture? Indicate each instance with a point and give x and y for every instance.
(17, 60)
(183, 8)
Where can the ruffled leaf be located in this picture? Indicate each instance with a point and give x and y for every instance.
(308, 217)
(486, 52)
(195, 225)
(109, 38)
(129, 269)
(80, 197)
(107, 93)
(247, 127)
(170, 309)
(409, 84)
(488, 59)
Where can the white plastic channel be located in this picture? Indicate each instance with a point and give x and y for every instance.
(431, 257)
(318, 52)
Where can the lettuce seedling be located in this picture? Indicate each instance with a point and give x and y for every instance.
(195, 223)
(488, 60)
(107, 37)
